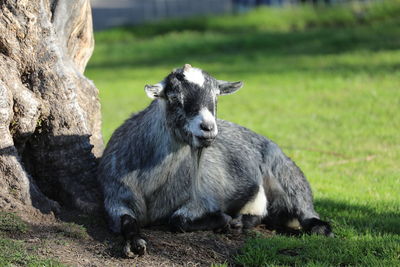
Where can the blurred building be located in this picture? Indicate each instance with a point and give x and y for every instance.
(111, 13)
(287, 2)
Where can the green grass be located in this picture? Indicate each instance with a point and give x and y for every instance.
(11, 223)
(320, 251)
(15, 252)
(72, 230)
(323, 84)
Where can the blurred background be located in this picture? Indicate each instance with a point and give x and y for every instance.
(321, 79)
(108, 14)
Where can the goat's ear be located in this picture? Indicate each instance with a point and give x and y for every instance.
(154, 91)
(226, 88)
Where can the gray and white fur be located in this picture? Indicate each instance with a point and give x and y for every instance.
(175, 163)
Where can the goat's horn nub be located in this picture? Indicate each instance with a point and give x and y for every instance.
(187, 66)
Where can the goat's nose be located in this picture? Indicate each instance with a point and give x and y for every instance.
(207, 126)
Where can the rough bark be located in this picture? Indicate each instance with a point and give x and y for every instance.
(50, 134)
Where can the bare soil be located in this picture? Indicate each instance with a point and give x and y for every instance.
(82, 240)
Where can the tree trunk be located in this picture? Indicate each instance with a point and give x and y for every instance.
(50, 121)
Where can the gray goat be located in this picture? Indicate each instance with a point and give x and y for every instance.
(175, 163)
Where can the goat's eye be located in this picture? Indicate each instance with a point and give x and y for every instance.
(180, 77)
(174, 99)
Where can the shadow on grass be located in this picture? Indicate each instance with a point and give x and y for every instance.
(319, 251)
(353, 225)
(363, 219)
(163, 246)
(364, 236)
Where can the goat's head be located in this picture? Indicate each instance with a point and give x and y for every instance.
(190, 97)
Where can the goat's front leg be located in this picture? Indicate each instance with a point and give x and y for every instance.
(130, 230)
(210, 221)
(191, 218)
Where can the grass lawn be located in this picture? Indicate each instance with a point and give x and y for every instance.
(14, 252)
(324, 84)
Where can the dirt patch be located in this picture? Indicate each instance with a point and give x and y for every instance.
(81, 240)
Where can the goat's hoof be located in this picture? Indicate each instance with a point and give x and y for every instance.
(224, 224)
(236, 226)
(127, 251)
(320, 227)
(176, 224)
(139, 246)
(135, 248)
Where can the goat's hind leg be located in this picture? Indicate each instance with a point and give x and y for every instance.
(290, 214)
(289, 193)
(131, 233)
(303, 208)
(290, 200)
(282, 222)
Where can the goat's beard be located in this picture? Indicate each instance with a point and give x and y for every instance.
(200, 142)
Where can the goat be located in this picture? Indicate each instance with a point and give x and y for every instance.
(175, 163)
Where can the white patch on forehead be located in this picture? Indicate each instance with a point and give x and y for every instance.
(194, 75)
(257, 206)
